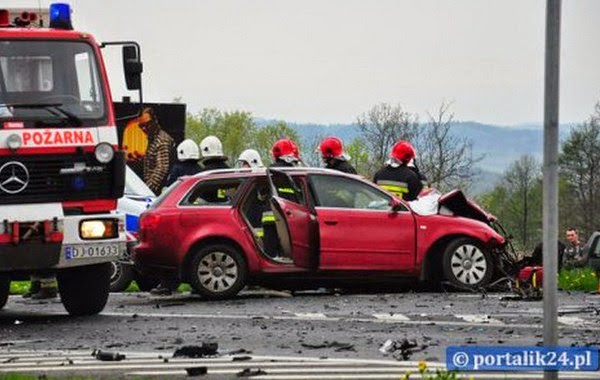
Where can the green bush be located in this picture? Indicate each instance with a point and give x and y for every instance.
(578, 279)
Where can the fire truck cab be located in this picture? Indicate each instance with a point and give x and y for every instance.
(61, 170)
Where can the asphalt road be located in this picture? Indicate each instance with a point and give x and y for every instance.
(302, 335)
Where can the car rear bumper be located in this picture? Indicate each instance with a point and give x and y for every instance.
(145, 260)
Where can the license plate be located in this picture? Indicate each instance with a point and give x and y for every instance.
(91, 250)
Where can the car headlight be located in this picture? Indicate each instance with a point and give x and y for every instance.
(98, 229)
(104, 153)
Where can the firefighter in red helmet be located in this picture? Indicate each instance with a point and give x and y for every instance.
(332, 153)
(396, 176)
(285, 152)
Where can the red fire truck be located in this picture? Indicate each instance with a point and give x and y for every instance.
(61, 171)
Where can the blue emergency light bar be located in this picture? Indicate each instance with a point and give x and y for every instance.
(60, 16)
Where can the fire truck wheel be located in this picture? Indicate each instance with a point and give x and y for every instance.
(467, 264)
(84, 290)
(218, 271)
(4, 290)
(121, 275)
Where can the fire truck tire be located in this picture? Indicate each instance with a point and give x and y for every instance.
(121, 275)
(84, 290)
(218, 271)
(4, 290)
(467, 264)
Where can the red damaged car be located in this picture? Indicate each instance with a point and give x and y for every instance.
(221, 230)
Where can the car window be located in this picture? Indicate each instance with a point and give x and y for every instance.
(160, 199)
(221, 192)
(286, 190)
(342, 192)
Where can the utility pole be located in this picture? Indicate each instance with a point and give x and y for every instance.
(550, 208)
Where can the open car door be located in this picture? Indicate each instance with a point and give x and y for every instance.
(296, 224)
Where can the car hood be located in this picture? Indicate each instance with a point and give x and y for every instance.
(456, 202)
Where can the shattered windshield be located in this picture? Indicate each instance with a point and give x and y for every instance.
(49, 81)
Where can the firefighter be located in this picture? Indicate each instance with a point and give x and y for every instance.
(285, 153)
(212, 154)
(396, 176)
(188, 155)
(413, 166)
(156, 163)
(249, 158)
(332, 153)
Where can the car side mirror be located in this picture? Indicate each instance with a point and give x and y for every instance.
(395, 205)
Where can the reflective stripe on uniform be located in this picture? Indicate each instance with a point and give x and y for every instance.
(286, 190)
(259, 232)
(396, 187)
(221, 193)
(268, 217)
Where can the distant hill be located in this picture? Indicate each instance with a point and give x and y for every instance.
(499, 145)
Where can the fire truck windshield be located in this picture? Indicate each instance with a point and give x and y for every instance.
(49, 81)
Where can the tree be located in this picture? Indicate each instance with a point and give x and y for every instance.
(235, 129)
(580, 165)
(446, 160)
(381, 127)
(517, 201)
(359, 157)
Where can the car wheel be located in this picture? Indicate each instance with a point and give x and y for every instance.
(84, 290)
(121, 275)
(218, 272)
(145, 283)
(4, 290)
(467, 264)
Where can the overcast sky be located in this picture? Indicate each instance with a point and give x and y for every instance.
(329, 61)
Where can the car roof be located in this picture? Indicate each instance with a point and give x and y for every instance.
(255, 172)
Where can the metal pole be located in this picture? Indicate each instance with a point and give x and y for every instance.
(550, 212)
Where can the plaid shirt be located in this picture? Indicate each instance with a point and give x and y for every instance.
(156, 163)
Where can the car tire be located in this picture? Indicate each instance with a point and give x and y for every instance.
(145, 283)
(121, 275)
(467, 264)
(4, 290)
(84, 290)
(218, 271)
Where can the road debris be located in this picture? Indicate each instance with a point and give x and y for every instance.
(107, 356)
(196, 371)
(401, 349)
(206, 349)
(249, 372)
(339, 346)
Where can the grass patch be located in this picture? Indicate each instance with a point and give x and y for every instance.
(19, 288)
(578, 279)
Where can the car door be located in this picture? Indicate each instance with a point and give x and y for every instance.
(296, 223)
(358, 227)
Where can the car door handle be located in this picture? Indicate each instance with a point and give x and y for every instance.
(331, 222)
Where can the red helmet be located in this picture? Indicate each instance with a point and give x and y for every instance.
(296, 151)
(284, 147)
(403, 152)
(331, 147)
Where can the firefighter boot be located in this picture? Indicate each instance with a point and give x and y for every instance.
(48, 289)
(33, 288)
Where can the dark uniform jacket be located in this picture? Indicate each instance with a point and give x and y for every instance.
(181, 168)
(214, 163)
(281, 163)
(340, 165)
(401, 180)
